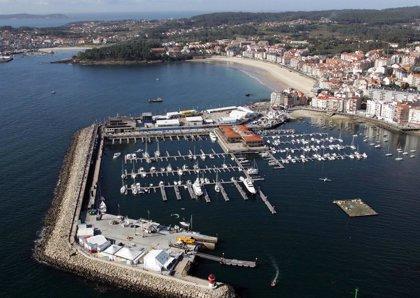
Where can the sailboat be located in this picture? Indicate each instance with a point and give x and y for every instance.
(217, 186)
(388, 153)
(146, 153)
(157, 152)
(399, 158)
(254, 169)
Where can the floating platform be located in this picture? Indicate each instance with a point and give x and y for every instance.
(355, 207)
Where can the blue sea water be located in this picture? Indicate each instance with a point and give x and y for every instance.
(318, 249)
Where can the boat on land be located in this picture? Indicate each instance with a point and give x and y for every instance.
(116, 155)
(156, 100)
(248, 184)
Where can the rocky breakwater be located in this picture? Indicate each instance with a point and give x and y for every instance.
(57, 248)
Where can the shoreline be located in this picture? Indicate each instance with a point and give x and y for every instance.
(303, 112)
(273, 76)
(56, 247)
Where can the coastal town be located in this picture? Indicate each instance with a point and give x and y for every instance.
(379, 84)
(170, 193)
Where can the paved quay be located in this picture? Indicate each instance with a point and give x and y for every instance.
(56, 246)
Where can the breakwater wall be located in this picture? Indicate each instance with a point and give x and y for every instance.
(56, 245)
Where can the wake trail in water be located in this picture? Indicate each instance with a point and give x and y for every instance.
(277, 273)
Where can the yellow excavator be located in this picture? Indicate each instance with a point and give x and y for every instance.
(185, 240)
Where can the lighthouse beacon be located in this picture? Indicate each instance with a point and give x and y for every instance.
(212, 281)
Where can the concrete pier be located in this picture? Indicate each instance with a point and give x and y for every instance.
(225, 261)
(266, 202)
(57, 246)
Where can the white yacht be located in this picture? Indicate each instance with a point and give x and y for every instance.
(248, 184)
(197, 187)
(180, 172)
(116, 155)
(213, 137)
(123, 189)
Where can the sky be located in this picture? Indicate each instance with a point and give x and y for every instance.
(109, 6)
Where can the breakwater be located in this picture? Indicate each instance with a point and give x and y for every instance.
(56, 245)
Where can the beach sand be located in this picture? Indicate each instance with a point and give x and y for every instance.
(272, 75)
(57, 49)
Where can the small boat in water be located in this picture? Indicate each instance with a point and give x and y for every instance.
(197, 187)
(4, 59)
(155, 100)
(213, 137)
(116, 155)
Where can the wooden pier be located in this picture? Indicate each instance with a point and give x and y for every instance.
(266, 202)
(225, 261)
(239, 188)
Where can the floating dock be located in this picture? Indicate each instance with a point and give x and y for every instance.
(177, 193)
(163, 192)
(223, 192)
(239, 188)
(266, 202)
(355, 207)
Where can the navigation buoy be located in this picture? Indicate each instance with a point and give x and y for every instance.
(212, 281)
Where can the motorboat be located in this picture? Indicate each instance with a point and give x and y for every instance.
(116, 155)
(156, 100)
(123, 189)
(325, 179)
(213, 137)
(180, 172)
(198, 191)
(248, 184)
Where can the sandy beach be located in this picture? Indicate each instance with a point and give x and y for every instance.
(272, 75)
(57, 49)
